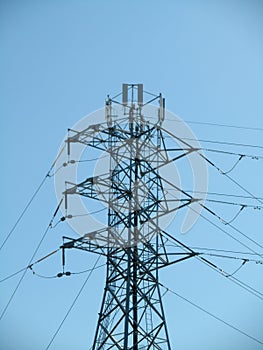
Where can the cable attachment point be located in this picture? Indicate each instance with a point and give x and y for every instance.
(31, 269)
(61, 274)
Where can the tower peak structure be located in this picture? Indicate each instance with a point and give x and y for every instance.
(133, 239)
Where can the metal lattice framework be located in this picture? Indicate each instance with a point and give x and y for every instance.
(132, 314)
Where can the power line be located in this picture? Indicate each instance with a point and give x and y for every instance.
(230, 178)
(238, 282)
(24, 211)
(230, 225)
(241, 155)
(30, 261)
(214, 124)
(219, 250)
(225, 125)
(47, 277)
(23, 275)
(231, 257)
(219, 194)
(13, 274)
(29, 266)
(88, 270)
(212, 212)
(252, 156)
(197, 249)
(217, 216)
(67, 273)
(73, 303)
(236, 144)
(229, 234)
(32, 198)
(234, 280)
(234, 203)
(226, 143)
(212, 315)
(259, 207)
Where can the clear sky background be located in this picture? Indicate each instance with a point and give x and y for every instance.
(59, 60)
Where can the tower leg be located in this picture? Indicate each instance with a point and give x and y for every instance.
(141, 326)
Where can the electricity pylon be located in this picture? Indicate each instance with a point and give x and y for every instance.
(132, 314)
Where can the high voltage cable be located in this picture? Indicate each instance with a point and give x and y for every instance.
(220, 194)
(229, 276)
(211, 314)
(31, 200)
(219, 250)
(225, 125)
(221, 201)
(219, 142)
(198, 252)
(253, 156)
(67, 273)
(226, 143)
(246, 286)
(230, 225)
(211, 222)
(197, 249)
(73, 303)
(234, 203)
(231, 257)
(24, 211)
(13, 274)
(230, 178)
(234, 280)
(229, 234)
(256, 157)
(23, 275)
(214, 124)
(30, 261)
(220, 170)
(71, 216)
(213, 213)
(28, 266)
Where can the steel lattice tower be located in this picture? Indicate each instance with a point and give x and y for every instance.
(132, 314)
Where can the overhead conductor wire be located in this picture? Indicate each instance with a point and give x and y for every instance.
(230, 178)
(73, 303)
(30, 261)
(234, 280)
(211, 314)
(31, 199)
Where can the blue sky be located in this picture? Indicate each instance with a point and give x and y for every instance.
(59, 60)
